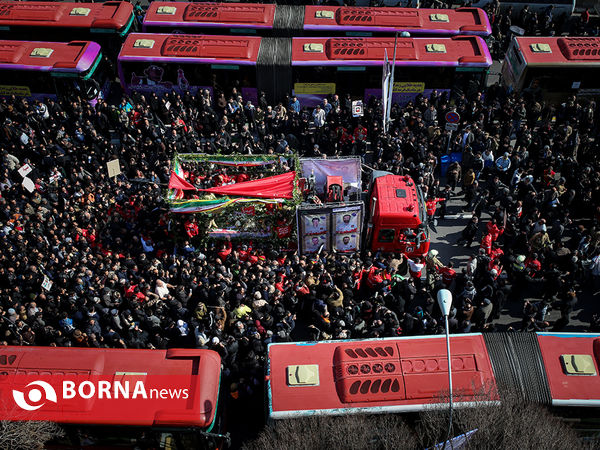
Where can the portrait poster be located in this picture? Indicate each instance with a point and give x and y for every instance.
(315, 224)
(314, 242)
(347, 220)
(346, 243)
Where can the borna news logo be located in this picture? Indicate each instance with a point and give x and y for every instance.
(35, 396)
(42, 392)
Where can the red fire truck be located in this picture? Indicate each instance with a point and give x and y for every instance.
(398, 216)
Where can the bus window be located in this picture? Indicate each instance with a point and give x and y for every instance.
(162, 78)
(354, 80)
(386, 235)
(26, 83)
(559, 79)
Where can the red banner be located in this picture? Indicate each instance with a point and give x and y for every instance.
(249, 210)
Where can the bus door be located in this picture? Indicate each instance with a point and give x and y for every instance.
(468, 81)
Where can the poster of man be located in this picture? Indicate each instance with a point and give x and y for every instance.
(315, 224)
(346, 242)
(347, 221)
(312, 243)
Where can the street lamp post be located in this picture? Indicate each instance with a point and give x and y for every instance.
(444, 298)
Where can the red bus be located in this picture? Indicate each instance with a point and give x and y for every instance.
(310, 67)
(553, 68)
(107, 23)
(52, 69)
(398, 219)
(371, 376)
(170, 397)
(407, 374)
(299, 20)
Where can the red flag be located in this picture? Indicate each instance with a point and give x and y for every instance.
(177, 182)
(277, 186)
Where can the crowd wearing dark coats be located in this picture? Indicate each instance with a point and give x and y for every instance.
(121, 275)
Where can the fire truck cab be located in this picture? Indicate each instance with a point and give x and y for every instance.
(398, 216)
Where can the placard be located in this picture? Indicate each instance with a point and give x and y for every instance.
(338, 227)
(347, 221)
(348, 168)
(357, 108)
(28, 184)
(47, 283)
(55, 177)
(114, 168)
(313, 243)
(346, 242)
(315, 224)
(25, 170)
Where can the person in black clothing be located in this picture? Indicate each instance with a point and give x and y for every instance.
(469, 233)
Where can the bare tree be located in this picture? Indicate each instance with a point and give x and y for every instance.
(352, 432)
(509, 423)
(26, 435)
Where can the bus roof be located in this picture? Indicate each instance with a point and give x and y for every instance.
(190, 48)
(430, 21)
(566, 387)
(197, 370)
(461, 51)
(559, 51)
(372, 375)
(112, 15)
(217, 15)
(71, 57)
(318, 18)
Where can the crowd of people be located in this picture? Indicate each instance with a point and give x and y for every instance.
(92, 261)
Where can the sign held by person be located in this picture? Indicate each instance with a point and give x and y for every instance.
(357, 108)
(25, 170)
(114, 168)
(47, 283)
(28, 184)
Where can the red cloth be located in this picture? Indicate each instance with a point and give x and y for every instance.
(496, 253)
(431, 206)
(358, 277)
(283, 231)
(191, 229)
(304, 290)
(177, 182)
(533, 265)
(498, 270)
(360, 133)
(278, 186)
(448, 274)
(224, 253)
(374, 279)
(486, 243)
(494, 231)
(241, 178)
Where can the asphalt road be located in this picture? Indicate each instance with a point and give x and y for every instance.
(449, 231)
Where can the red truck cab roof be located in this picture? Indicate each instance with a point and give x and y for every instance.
(397, 202)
